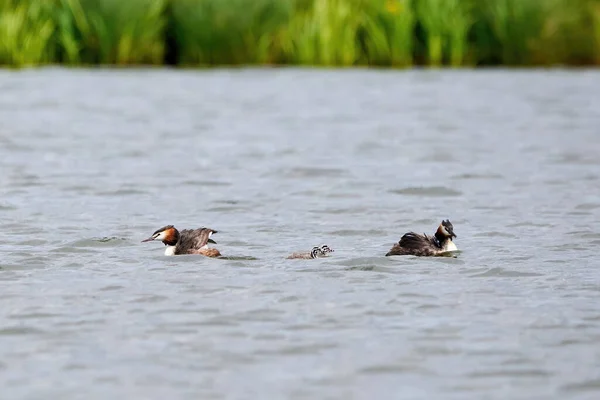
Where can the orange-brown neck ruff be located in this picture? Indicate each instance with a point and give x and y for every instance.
(171, 237)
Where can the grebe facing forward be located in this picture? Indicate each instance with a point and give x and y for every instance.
(188, 241)
(316, 252)
(423, 245)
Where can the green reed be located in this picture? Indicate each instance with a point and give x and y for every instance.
(446, 24)
(322, 33)
(350, 32)
(26, 31)
(388, 27)
(395, 33)
(457, 29)
(531, 32)
(517, 24)
(566, 34)
(228, 31)
(111, 31)
(594, 9)
(431, 17)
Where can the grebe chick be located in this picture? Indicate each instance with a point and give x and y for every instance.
(423, 245)
(188, 241)
(316, 252)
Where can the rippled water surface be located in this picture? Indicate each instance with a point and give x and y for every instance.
(277, 161)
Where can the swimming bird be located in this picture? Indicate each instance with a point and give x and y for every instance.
(423, 245)
(316, 252)
(188, 241)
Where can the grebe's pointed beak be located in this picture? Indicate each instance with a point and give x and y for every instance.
(211, 241)
(148, 240)
(453, 234)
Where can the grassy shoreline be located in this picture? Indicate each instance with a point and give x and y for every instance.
(321, 33)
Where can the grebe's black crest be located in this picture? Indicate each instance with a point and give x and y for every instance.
(168, 234)
(164, 228)
(449, 228)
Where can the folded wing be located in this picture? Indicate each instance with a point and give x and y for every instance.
(195, 239)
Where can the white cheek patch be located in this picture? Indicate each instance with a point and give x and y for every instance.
(161, 236)
(444, 231)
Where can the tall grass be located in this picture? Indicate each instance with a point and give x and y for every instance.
(395, 33)
(567, 34)
(446, 24)
(595, 13)
(111, 31)
(517, 24)
(324, 34)
(388, 27)
(229, 31)
(532, 32)
(26, 31)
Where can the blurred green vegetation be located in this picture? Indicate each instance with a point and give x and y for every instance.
(394, 33)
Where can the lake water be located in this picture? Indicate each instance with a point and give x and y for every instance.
(280, 160)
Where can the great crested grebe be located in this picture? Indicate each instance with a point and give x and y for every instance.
(316, 252)
(188, 241)
(423, 245)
